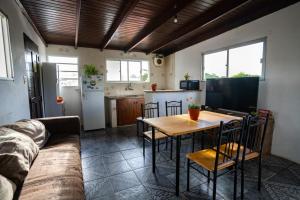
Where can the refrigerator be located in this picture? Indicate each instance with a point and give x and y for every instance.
(92, 100)
(51, 91)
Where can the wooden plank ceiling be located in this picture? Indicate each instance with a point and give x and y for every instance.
(142, 25)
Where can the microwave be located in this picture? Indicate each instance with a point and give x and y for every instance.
(189, 84)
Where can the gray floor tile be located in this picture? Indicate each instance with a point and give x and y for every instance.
(109, 156)
(98, 188)
(124, 181)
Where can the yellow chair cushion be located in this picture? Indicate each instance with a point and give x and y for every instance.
(249, 155)
(206, 158)
(158, 135)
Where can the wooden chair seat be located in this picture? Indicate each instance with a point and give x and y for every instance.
(206, 159)
(158, 135)
(248, 154)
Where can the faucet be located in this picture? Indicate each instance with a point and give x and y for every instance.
(129, 87)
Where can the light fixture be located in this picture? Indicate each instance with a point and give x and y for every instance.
(175, 19)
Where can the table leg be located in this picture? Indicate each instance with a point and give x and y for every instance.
(178, 143)
(137, 127)
(153, 149)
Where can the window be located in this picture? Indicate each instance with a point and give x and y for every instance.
(127, 70)
(238, 61)
(6, 71)
(67, 70)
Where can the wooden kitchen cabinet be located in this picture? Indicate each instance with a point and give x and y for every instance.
(128, 109)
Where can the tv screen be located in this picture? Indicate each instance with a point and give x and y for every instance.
(239, 94)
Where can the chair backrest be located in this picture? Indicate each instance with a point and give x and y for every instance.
(173, 108)
(255, 134)
(228, 142)
(150, 110)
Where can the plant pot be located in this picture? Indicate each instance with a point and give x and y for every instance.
(194, 114)
(153, 87)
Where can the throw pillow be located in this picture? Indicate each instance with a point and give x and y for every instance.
(32, 128)
(17, 152)
(7, 188)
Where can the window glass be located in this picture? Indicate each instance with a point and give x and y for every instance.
(68, 74)
(134, 71)
(124, 71)
(113, 70)
(246, 60)
(6, 71)
(145, 71)
(127, 70)
(243, 61)
(58, 59)
(68, 67)
(3, 70)
(215, 65)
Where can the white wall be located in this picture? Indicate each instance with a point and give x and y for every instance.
(14, 103)
(98, 58)
(280, 91)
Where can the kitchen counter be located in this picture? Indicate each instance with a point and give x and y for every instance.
(125, 96)
(186, 96)
(162, 91)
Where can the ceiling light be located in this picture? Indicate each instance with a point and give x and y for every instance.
(175, 19)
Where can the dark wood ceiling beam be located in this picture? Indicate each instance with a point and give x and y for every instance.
(157, 22)
(257, 9)
(24, 12)
(201, 20)
(77, 22)
(126, 9)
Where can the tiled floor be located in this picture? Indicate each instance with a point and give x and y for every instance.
(114, 168)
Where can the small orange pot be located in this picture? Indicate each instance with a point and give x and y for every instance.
(194, 114)
(59, 100)
(153, 87)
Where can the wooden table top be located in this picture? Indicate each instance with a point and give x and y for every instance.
(182, 124)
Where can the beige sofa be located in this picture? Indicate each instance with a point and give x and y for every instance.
(56, 172)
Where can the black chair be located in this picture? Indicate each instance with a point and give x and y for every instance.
(172, 108)
(221, 157)
(151, 110)
(253, 144)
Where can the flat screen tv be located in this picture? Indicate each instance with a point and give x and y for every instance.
(238, 94)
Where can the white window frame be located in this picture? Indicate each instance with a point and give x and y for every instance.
(62, 79)
(66, 63)
(127, 60)
(7, 49)
(263, 40)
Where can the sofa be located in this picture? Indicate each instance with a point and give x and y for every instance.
(56, 171)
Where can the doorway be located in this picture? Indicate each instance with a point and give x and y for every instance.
(33, 69)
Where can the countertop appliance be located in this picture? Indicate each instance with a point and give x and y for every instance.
(189, 84)
(92, 100)
(237, 94)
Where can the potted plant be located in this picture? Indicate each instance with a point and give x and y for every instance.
(153, 87)
(90, 70)
(187, 76)
(194, 111)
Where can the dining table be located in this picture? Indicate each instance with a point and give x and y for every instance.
(177, 126)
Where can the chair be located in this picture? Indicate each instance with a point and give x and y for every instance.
(215, 160)
(151, 110)
(172, 108)
(254, 141)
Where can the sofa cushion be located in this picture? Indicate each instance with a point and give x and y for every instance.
(7, 188)
(56, 171)
(17, 152)
(32, 128)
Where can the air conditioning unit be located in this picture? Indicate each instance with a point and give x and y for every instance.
(158, 60)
